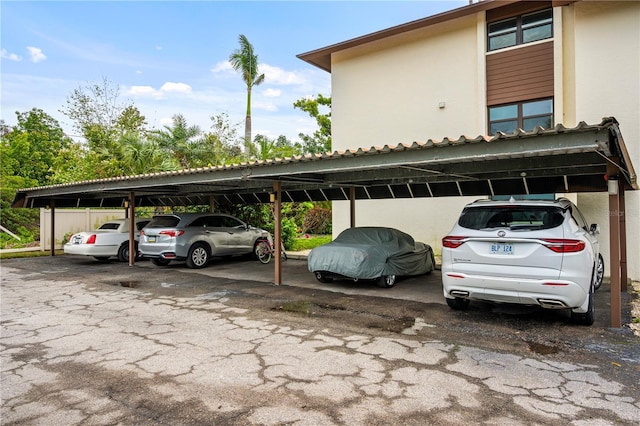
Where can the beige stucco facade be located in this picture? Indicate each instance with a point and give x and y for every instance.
(606, 81)
(430, 84)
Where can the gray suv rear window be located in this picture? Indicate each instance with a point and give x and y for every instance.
(164, 222)
(512, 217)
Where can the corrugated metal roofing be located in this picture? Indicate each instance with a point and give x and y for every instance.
(559, 159)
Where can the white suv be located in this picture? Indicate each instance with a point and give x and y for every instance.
(524, 252)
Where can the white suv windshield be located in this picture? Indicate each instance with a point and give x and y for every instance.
(512, 217)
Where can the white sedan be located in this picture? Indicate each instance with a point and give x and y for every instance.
(109, 240)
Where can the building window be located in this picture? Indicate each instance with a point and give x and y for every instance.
(520, 29)
(521, 115)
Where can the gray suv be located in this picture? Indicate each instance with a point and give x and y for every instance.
(197, 237)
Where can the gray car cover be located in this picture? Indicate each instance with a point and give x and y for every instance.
(372, 252)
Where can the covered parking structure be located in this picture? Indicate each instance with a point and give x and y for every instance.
(585, 158)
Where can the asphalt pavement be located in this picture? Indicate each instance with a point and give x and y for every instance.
(84, 343)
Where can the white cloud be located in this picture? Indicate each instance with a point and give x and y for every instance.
(175, 87)
(222, 67)
(298, 80)
(276, 75)
(166, 88)
(36, 54)
(10, 56)
(272, 93)
(144, 92)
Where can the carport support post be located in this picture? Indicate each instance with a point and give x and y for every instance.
(277, 242)
(52, 204)
(132, 228)
(616, 211)
(623, 241)
(352, 206)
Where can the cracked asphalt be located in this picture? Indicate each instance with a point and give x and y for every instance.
(88, 343)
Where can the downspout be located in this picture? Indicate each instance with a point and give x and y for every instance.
(352, 207)
(277, 229)
(132, 228)
(52, 204)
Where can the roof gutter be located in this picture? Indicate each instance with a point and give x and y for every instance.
(321, 58)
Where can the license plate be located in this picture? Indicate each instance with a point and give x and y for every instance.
(502, 248)
(152, 239)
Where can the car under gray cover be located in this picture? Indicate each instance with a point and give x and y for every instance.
(370, 253)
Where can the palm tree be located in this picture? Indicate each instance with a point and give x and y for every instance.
(140, 155)
(245, 61)
(179, 140)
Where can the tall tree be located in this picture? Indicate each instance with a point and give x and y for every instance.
(131, 120)
(76, 163)
(320, 109)
(94, 106)
(219, 145)
(245, 61)
(29, 149)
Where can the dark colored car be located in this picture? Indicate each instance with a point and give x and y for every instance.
(371, 253)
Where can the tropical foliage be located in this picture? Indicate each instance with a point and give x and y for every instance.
(28, 151)
(318, 107)
(113, 140)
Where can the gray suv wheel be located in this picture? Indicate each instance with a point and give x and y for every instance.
(198, 256)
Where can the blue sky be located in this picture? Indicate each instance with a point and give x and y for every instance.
(170, 57)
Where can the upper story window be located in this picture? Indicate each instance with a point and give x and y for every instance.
(521, 115)
(520, 29)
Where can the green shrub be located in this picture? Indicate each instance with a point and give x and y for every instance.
(66, 237)
(288, 232)
(293, 220)
(27, 237)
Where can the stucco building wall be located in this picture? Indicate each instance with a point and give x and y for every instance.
(390, 93)
(606, 80)
(430, 83)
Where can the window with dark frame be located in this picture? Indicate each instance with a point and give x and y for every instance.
(520, 30)
(522, 115)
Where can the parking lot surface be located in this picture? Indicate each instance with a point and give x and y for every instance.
(94, 343)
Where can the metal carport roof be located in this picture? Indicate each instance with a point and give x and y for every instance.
(585, 158)
(559, 159)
